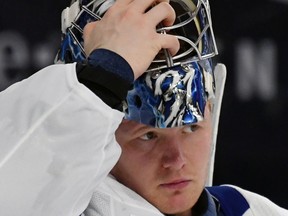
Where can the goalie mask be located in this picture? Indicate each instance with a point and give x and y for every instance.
(174, 90)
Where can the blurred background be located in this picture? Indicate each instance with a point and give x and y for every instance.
(253, 42)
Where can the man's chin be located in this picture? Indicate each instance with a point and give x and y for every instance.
(178, 204)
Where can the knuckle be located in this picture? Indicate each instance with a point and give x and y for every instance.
(165, 5)
(170, 12)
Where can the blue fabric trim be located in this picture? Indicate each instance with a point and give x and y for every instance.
(211, 206)
(232, 202)
(111, 62)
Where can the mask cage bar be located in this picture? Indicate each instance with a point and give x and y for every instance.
(169, 61)
(79, 29)
(179, 59)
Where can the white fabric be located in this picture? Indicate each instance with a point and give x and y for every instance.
(259, 205)
(57, 144)
(68, 16)
(220, 79)
(114, 199)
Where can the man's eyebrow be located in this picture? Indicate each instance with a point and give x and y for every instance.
(142, 129)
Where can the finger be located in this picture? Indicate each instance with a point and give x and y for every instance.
(143, 5)
(161, 13)
(169, 42)
(123, 2)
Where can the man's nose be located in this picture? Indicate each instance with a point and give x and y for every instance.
(173, 156)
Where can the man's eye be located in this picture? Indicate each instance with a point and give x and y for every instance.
(148, 136)
(191, 128)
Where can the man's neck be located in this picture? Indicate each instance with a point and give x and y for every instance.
(186, 213)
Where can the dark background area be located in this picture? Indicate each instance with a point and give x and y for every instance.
(253, 43)
(253, 133)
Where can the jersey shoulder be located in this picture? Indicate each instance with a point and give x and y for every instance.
(237, 201)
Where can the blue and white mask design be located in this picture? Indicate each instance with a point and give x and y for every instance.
(174, 90)
(171, 97)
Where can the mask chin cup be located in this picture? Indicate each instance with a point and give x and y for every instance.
(220, 79)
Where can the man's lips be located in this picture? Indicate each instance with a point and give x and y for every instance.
(176, 185)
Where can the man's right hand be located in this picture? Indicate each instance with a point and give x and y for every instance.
(128, 28)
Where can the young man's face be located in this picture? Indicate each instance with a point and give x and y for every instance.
(168, 167)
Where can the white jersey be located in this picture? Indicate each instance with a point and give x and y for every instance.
(260, 206)
(57, 144)
(114, 199)
(57, 148)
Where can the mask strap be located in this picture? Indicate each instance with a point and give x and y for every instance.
(220, 78)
